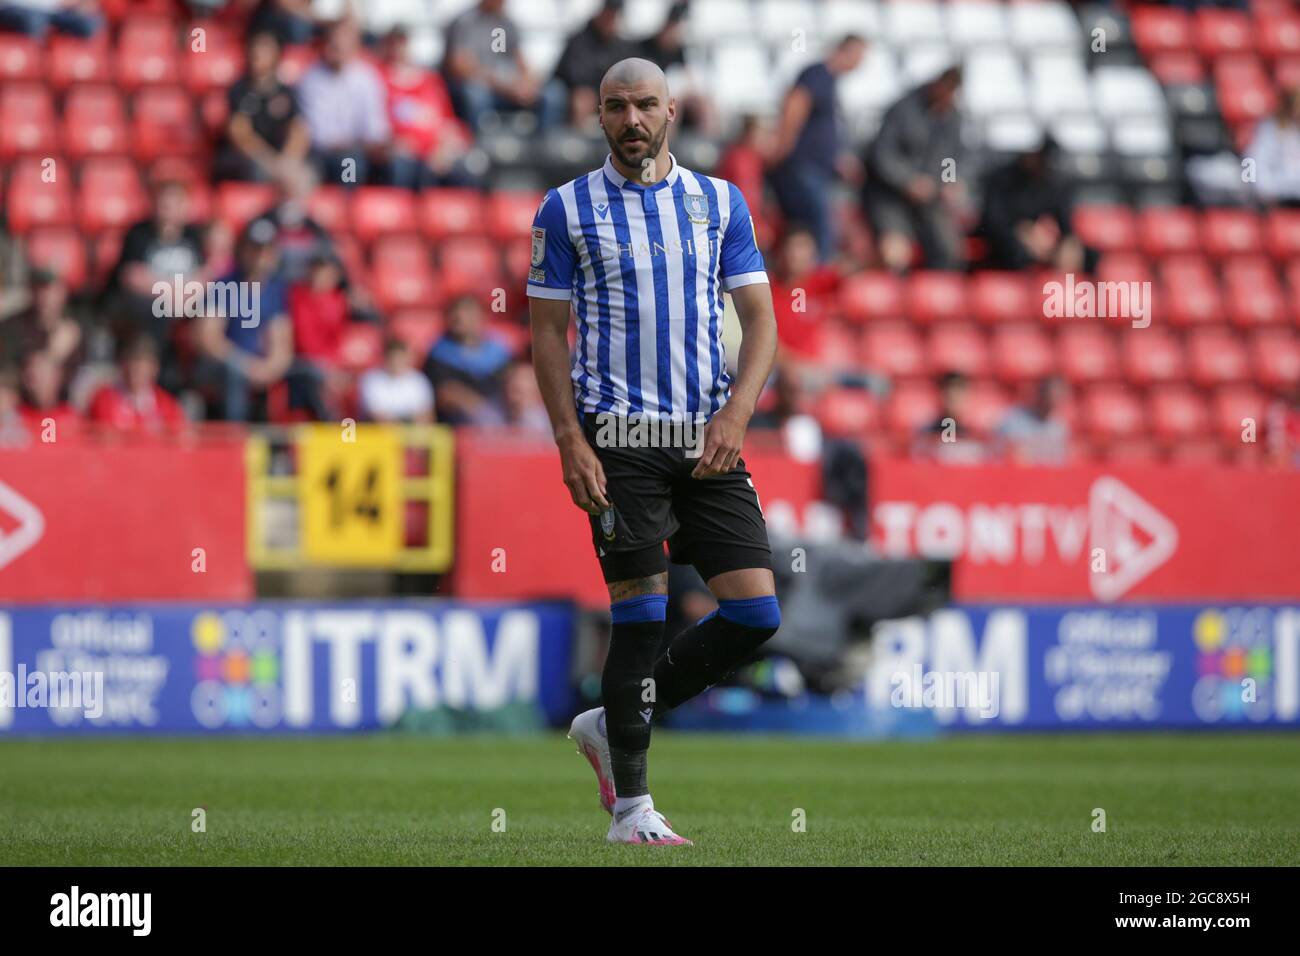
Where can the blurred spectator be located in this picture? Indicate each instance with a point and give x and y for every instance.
(245, 355)
(809, 151)
(1029, 214)
(522, 399)
(787, 407)
(266, 128)
(667, 48)
(14, 292)
(45, 407)
(1283, 428)
(301, 238)
(136, 402)
(907, 198)
(396, 391)
(742, 164)
(290, 20)
(157, 249)
(321, 314)
(343, 99)
(467, 367)
(485, 67)
(950, 438)
(36, 18)
(45, 325)
(801, 291)
(1275, 148)
(1036, 434)
(587, 56)
(429, 143)
(13, 428)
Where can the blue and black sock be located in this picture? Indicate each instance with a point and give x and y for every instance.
(624, 685)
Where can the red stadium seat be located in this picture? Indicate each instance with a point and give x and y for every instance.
(20, 57)
(1216, 357)
(377, 210)
(1275, 355)
(1278, 34)
(1086, 354)
(1124, 267)
(396, 288)
(1189, 292)
(1282, 233)
(27, 122)
(165, 124)
(851, 412)
(1178, 413)
(147, 53)
(957, 348)
(1174, 69)
(871, 296)
(894, 349)
(61, 249)
(1022, 353)
(936, 297)
(1163, 230)
(510, 214)
(328, 206)
(1253, 294)
(237, 203)
(362, 347)
(216, 68)
(1230, 232)
(1197, 450)
(1000, 297)
(32, 201)
(110, 195)
(1158, 29)
(72, 60)
(910, 406)
(1152, 356)
(1235, 404)
(1107, 228)
(986, 404)
(294, 61)
(834, 346)
(105, 251)
(1244, 90)
(469, 265)
(99, 134)
(518, 255)
(1292, 272)
(418, 328)
(1220, 32)
(1130, 451)
(451, 212)
(401, 252)
(1111, 413)
(1286, 73)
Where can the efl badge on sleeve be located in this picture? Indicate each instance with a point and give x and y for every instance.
(539, 245)
(697, 208)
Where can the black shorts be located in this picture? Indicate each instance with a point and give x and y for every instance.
(715, 524)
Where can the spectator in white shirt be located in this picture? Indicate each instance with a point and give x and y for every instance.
(397, 391)
(1275, 149)
(345, 103)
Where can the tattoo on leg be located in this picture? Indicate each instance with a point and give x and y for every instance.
(622, 590)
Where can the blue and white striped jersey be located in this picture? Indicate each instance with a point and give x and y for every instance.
(645, 268)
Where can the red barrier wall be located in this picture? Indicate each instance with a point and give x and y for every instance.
(91, 521)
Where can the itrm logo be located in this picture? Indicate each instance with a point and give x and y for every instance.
(133, 910)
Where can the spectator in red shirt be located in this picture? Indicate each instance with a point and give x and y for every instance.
(802, 290)
(321, 312)
(46, 411)
(429, 144)
(742, 164)
(136, 402)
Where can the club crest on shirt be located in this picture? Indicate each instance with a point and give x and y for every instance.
(539, 245)
(607, 524)
(697, 208)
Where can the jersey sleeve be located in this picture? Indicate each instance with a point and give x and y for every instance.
(742, 263)
(553, 260)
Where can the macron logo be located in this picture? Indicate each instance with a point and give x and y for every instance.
(103, 909)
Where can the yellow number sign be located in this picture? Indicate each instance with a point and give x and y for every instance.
(350, 494)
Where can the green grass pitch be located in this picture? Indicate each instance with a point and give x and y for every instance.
(1178, 800)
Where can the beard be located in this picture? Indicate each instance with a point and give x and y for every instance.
(634, 156)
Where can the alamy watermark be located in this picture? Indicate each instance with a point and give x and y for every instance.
(674, 430)
(947, 690)
(76, 690)
(179, 298)
(1085, 299)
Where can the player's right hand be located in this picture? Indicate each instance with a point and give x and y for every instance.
(583, 475)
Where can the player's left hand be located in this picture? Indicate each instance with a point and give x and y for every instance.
(723, 436)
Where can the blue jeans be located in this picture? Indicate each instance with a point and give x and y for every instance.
(804, 193)
(475, 100)
(16, 18)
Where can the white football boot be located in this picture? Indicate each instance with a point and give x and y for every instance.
(644, 824)
(588, 731)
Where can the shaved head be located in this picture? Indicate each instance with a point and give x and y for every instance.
(635, 110)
